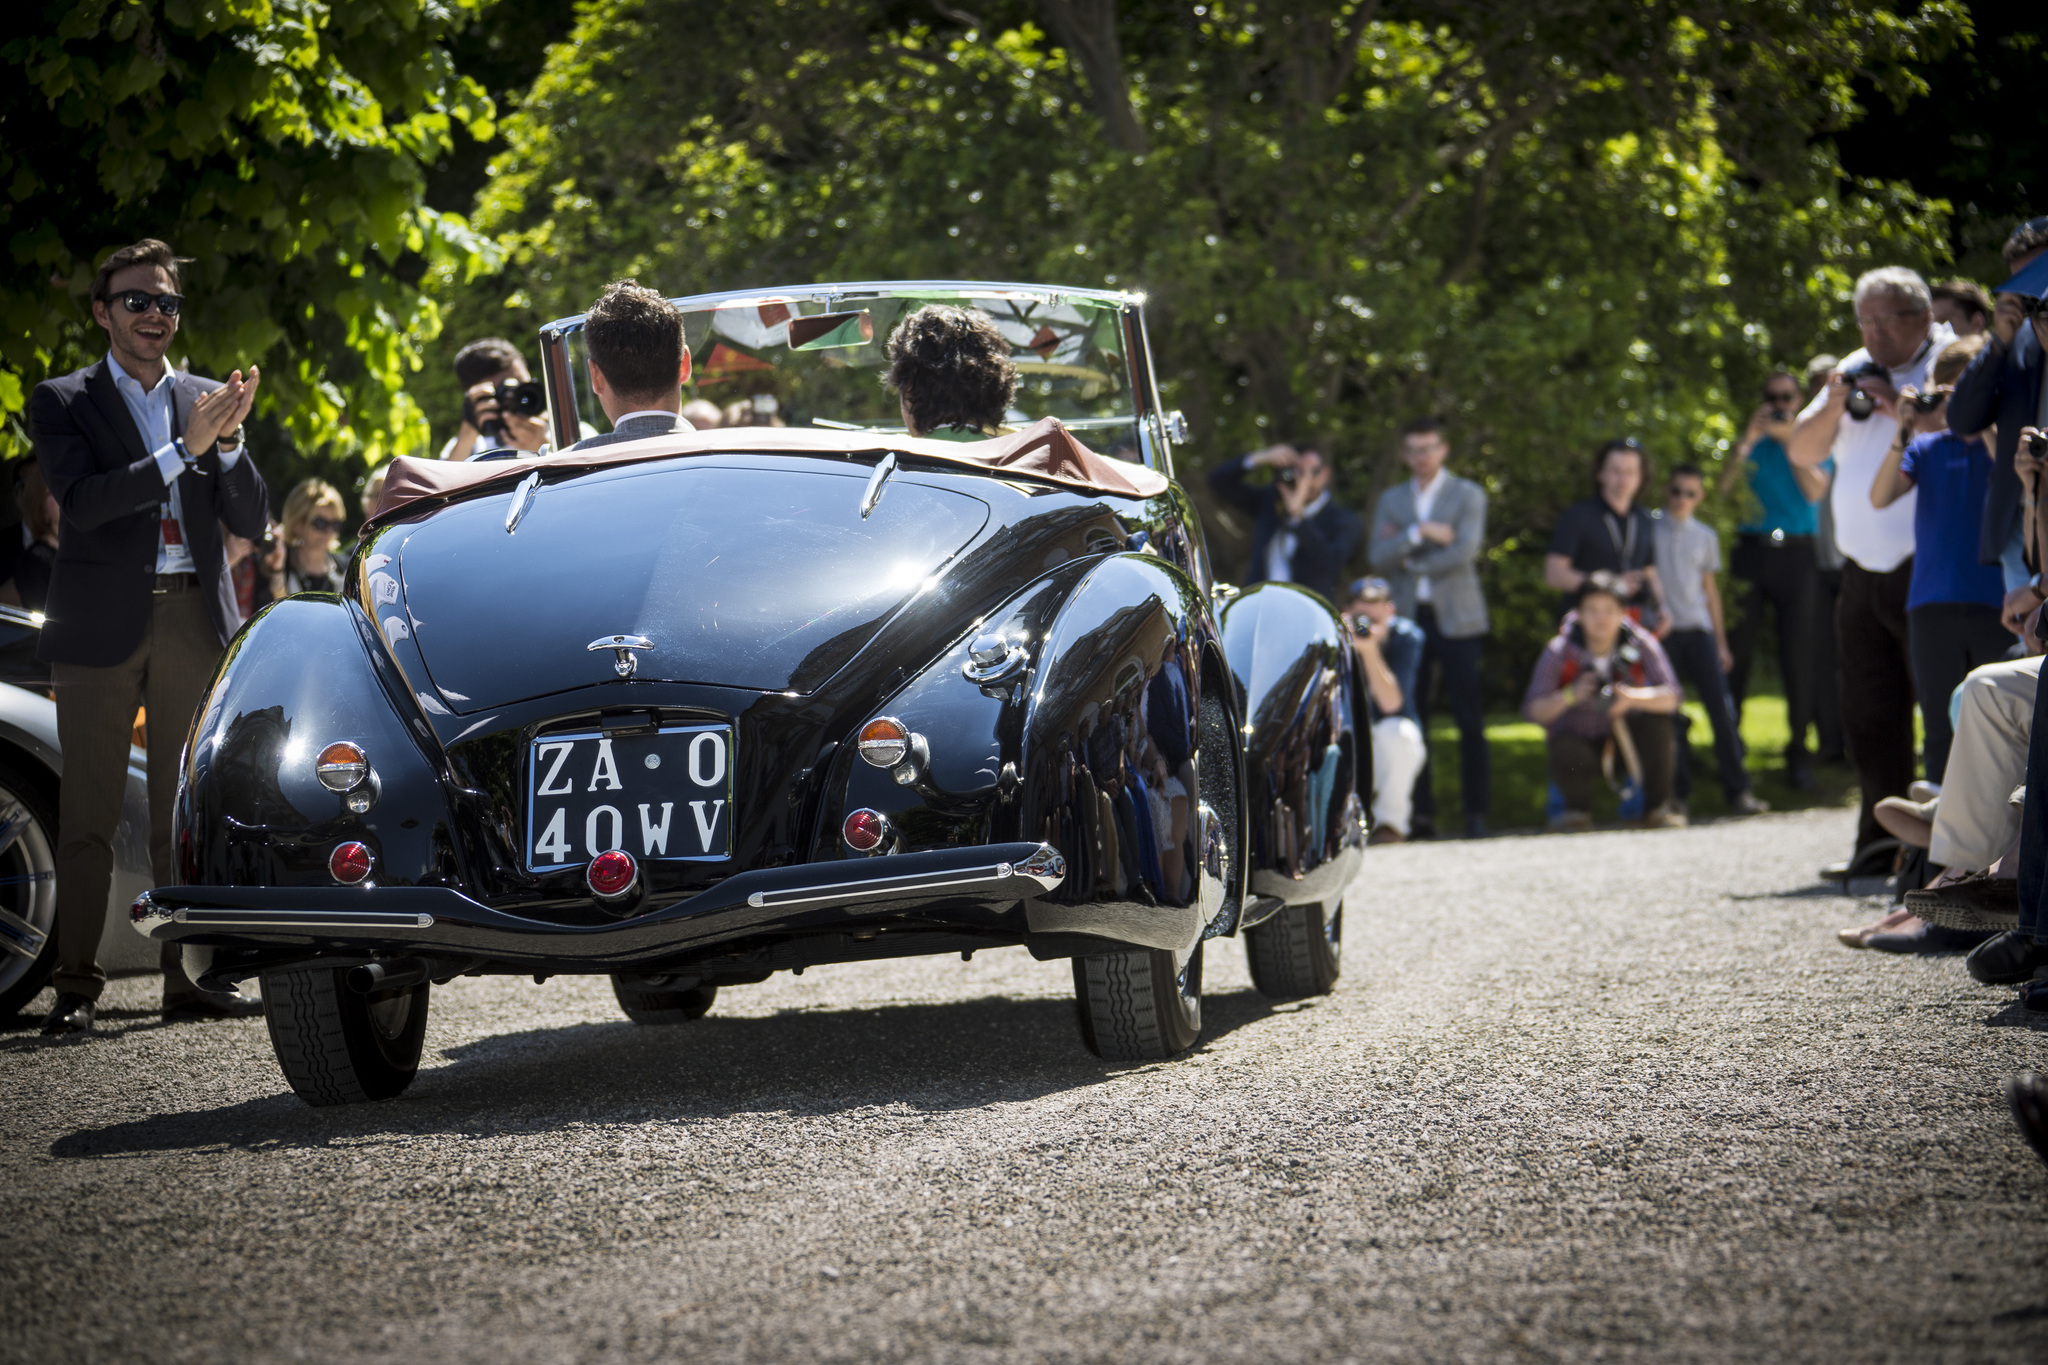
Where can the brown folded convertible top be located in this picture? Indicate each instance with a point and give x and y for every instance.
(1044, 450)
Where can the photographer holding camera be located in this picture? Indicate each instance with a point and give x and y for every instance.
(1603, 684)
(1389, 647)
(503, 406)
(1301, 535)
(1853, 422)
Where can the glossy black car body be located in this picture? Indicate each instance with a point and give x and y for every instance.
(794, 595)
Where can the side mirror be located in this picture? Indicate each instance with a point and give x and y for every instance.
(1177, 427)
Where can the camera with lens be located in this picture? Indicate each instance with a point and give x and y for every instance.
(525, 397)
(2037, 446)
(1287, 476)
(1927, 402)
(1861, 402)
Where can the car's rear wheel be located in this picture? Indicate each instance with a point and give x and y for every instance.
(1297, 952)
(1139, 1006)
(28, 890)
(663, 999)
(338, 1047)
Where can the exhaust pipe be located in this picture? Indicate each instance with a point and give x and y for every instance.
(376, 978)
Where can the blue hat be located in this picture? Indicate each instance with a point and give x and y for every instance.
(2033, 281)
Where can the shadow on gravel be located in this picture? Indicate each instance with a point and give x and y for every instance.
(2014, 1016)
(931, 1057)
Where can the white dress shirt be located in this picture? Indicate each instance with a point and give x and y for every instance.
(154, 411)
(1425, 503)
(1879, 539)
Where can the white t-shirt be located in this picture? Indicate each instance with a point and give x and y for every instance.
(1879, 540)
(1425, 503)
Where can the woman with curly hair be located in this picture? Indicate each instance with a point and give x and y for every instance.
(951, 369)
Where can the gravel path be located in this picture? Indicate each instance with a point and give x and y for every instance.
(1609, 1097)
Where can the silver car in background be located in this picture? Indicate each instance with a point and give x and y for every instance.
(31, 772)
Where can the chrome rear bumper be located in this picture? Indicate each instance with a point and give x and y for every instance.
(967, 888)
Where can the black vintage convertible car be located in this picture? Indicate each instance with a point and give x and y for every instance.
(689, 710)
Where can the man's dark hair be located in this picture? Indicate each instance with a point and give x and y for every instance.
(2026, 239)
(148, 251)
(1422, 426)
(1968, 294)
(1685, 469)
(952, 368)
(485, 359)
(1627, 443)
(636, 339)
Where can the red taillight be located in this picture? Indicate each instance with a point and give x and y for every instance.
(611, 873)
(865, 830)
(349, 863)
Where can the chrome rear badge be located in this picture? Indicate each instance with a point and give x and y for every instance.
(622, 647)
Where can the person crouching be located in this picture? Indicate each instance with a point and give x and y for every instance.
(1599, 669)
(1389, 648)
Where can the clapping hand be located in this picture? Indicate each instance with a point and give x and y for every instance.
(221, 411)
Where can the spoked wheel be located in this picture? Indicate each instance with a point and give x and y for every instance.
(1139, 1006)
(1296, 953)
(337, 1047)
(28, 892)
(662, 999)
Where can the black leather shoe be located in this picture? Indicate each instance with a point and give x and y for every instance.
(2027, 1093)
(1927, 939)
(211, 1005)
(2007, 960)
(72, 1013)
(1800, 779)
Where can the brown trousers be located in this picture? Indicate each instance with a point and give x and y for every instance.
(168, 674)
(1575, 763)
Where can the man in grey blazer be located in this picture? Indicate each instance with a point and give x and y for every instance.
(1426, 537)
(638, 363)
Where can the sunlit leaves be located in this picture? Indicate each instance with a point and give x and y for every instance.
(280, 144)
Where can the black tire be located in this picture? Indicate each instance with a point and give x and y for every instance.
(646, 1000)
(28, 885)
(1141, 1006)
(337, 1047)
(1296, 953)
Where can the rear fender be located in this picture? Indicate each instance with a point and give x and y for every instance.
(250, 810)
(1305, 765)
(1112, 754)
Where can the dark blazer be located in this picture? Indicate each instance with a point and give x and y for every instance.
(1322, 543)
(109, 490)
(2002, 385)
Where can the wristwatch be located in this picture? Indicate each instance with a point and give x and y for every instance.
(228, 440)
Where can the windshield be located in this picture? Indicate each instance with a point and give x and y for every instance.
(815, 359)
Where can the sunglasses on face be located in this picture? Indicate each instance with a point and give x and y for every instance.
(1780, 396)
(324, 525)
(141, 300)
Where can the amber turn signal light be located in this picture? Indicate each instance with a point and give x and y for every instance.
(341, 767)
(884, 741)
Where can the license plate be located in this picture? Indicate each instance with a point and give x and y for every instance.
(666, 794)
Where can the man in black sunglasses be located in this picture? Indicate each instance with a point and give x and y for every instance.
(146, 463)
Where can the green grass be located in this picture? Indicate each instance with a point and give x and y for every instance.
(1521, 772)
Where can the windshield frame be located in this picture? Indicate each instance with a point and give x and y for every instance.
(566, 386)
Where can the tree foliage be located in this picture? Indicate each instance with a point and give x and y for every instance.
(279, 143)
(1551, 223)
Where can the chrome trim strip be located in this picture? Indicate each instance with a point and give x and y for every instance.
(303, 919)
(876, 481)
(522, 498)
(1045, 867)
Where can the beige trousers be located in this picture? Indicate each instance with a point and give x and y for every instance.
(167, 674)
(1975, 821)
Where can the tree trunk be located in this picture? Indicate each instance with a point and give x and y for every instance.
(1087, 30)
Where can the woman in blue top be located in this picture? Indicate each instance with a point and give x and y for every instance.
(1777, 555)
(1953, 602)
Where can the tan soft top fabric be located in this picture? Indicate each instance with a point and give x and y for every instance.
(1044, 450)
